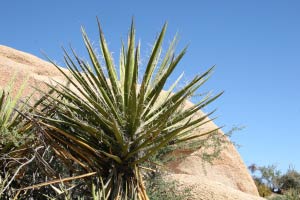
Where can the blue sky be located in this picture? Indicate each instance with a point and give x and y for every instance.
(254, 44)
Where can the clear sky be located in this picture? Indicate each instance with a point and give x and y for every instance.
(254, 44)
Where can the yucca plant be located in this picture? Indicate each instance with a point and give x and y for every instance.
(14, 128)
(111, 123)
(9, 119)
(14, 135)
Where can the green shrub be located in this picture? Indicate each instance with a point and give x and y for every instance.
(288, 195)
(14, 136)
(159, 188)
(290, 180)
(263, 190)
(271, 178)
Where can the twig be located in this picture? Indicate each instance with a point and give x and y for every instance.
(19, 168)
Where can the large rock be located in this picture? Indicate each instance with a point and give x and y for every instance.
(226, 178)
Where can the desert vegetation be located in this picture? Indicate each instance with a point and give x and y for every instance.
(100, 134)
(274, 184)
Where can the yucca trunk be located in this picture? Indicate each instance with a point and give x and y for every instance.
(127, 184)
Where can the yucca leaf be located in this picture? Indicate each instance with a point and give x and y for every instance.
(111, 106)
(129, 66)
(70, 136)
(83, 155)
(188, 89)
(122, 63)
(114, 157)
(69, 94)
(2, 99)
(154, 54)
(162, 142)
(157, 89)
(110, 66)
(197, 136)
(88, 74)
(157, 123)
(119, 137)
(97, 67)
(132, 107)
(149, 69)
(169, 54)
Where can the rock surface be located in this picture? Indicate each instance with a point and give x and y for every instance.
(205, 188)
(226, 178)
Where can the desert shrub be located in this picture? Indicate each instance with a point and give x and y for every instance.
(288, 195)
(269, 179)
(160, 188)
(15, 138)
(10, 123)
(263, 190)
(270, 175)
(292, 194)
(290, 180)
(265, 178)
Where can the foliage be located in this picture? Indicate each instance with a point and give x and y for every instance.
(288, 195)
(263, 190)
(108, 124)
(290, 180)
(269, 175)
(14, 137)
(268, 179)
(253, 168)
(159, 188)
(10, 121)
(24, 158)
(271, 178)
